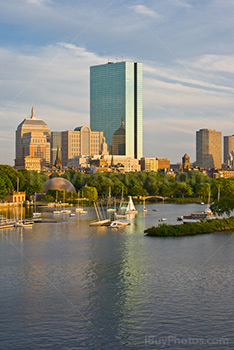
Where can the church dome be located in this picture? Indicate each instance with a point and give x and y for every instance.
(59, 183)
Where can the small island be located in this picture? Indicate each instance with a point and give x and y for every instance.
(189, 229)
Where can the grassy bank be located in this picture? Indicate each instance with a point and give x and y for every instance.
(209, 226)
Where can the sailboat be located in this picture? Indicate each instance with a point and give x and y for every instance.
(144, 207)
(131, 207)
(21, 222)
(126, 209)
(65, 211)
(110, 209)
(101, 216)
(35, 213)
(56, 211)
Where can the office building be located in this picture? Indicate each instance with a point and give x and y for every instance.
(118, 141)
(55, 144)
(149, 164)
(228, 148)
(30, 133)
(82, 142)
(116, 94)
(209, 149)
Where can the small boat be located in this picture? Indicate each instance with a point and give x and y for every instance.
(120, 223)
(72, 214)
(57, 212)
(21, 222)
(7, 224)
(65, 211)
(105, 222)
(83, 212)
(131, 207)
(111, 210)
(154, 209)
(189, 219)
(35, 213)
(78, 209)
(25, 224)
(162, 220)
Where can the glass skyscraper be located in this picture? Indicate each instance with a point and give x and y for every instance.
(115, 95)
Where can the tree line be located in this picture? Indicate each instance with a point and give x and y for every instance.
(184, 185)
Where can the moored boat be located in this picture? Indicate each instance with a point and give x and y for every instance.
(120, 223)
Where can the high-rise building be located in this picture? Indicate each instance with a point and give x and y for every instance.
(116, 94)
(118, 141)
(55, 143)
(209, 149)
(228, 148)
(81, 142)
(32, 135)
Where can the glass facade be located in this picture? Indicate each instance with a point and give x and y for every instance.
(116, 94)
(55, 143)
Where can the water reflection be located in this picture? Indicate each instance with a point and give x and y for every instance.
(69, 285)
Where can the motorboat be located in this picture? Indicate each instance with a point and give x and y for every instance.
(162, 220)
(119, 223)
(72, 214)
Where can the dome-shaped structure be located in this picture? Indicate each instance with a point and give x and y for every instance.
(59, 183)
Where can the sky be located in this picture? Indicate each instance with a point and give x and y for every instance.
(185, 46)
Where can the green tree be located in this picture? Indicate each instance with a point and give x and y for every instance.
(3, 188)
(90, 193)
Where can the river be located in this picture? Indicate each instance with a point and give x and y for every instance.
(69, 286)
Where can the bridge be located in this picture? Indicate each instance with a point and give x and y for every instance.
(159, 197)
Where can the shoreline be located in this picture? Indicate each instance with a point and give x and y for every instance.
(191, 229)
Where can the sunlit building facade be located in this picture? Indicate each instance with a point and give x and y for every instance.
(116, 94)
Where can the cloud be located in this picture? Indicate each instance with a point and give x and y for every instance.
(145, 11)
(38, 2)
(217, 63)
(182, 3)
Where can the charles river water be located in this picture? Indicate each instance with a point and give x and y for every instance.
(69, 286)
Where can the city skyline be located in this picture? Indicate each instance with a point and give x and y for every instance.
(47, 49)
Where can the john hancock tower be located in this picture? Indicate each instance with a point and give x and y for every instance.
(116, 95)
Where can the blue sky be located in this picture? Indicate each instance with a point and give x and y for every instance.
(186, 47)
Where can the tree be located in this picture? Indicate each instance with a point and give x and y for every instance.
(90, 193)
(3, 189)
(224, 206)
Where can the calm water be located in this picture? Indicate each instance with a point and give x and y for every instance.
(71, 286)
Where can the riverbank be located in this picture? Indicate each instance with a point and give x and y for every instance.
(189, 229)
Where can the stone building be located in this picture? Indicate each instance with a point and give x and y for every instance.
(81, 142)
(32, 140)
(209, 149)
